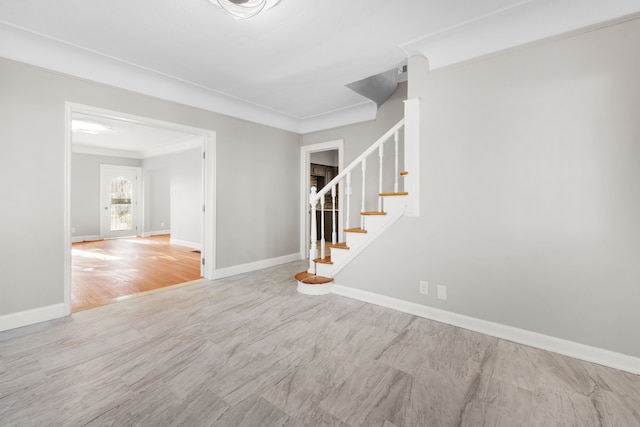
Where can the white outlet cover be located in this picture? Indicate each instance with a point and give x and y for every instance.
(442, 292)
(424, 287)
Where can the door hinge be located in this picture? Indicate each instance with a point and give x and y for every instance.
(202, 261)
(204, 154)
(203, 208)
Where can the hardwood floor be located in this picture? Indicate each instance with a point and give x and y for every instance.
(106, 271)
(249, 350)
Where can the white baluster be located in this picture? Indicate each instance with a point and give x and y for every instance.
(322, 241)
(364, 176)
(381, 155)
(313, 250)
(348, 190)
(334, 233)
(395, 185)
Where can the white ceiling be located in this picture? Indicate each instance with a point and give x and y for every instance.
(287, 67)
(129, 137)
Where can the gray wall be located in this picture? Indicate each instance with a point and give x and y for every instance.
(327, 158)
(257, 172)
(181, 175)
(530, 191)
(157, 195)
(85, 191)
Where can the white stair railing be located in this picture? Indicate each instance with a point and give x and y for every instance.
(343, 179)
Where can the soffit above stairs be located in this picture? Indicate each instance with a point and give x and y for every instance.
(286, 68)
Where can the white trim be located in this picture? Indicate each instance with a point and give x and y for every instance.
(77, 239)
(155, 233)
(209, 185)
(186, 243)
(66, 215)
(305, 156)
(485, 34)
(533, 339)
(257, 265)
(29, 317)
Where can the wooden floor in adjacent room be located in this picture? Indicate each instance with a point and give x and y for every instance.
(104, 271)
(249, 350)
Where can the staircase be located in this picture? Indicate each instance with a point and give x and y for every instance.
(326, 259)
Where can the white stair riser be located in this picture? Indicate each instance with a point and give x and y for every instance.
(374, 222)
(339, 255)
(391, 204)
(354, 240)
(325, 270)
(307, 289)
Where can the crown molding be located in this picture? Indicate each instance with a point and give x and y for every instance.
(513, 26)
(79, 148)
(28, 47)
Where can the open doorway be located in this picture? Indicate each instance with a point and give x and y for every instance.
(326, 154)
(174, 227)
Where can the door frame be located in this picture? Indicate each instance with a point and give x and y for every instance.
(208, 146)
(139, 221)
(305, 188)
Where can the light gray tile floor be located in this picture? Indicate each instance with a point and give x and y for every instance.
(250, 351)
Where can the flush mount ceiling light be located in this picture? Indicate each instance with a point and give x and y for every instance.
(88, 126)
(243, 9)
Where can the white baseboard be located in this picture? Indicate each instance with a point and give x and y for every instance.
(155, 233)
(186, 243)
(576, 350)
(77, 239)
(257, 265)
(29, 317)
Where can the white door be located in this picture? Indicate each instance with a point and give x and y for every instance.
(119, 193)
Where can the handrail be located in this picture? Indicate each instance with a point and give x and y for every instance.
(358, 160)
(319, 196)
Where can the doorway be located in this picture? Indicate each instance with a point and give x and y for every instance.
(119, 200)
(122, 185)
(306, 154)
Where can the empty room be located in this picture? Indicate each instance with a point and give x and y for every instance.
(400, 213)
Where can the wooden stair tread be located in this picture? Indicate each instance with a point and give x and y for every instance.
(373, 213)
(312, 279)
(400, 193)
(341, 245)
(355, 230)
(325, 260)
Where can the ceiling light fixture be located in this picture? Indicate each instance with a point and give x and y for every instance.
(244, 9)
(88, 126)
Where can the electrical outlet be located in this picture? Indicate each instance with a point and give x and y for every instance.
(442, 292)
(162, 224)
(424, 287)
(73, 230)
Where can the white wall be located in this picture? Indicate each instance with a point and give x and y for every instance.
(257, 172)
(530, 191)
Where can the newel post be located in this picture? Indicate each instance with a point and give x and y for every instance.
(313, 250)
